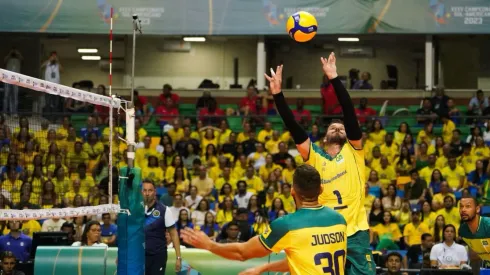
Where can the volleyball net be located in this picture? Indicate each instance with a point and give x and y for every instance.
(63, 161)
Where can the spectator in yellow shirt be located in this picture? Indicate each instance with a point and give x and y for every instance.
(225, 178)
(287, 199)
(86, 181)
(203, 183)
(254, 183)
(438, 199)
(266, 133)
(69, 198)
(389, 149)
(467, 160)
(177, 132)
(412, 233)
(272, 145)
(77, 156)
(449, 212)
(481, 150)
(428, 216)
(268, 168)
(454, 174)
(426, 172)
(386, 234)
(448, 127)
(153, 171)
(142, 154)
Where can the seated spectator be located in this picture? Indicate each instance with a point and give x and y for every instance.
(91, 235)
(403, 216)
(261, 223)
(363, 83)
(203, 183)
(243, 195)
(477, 177)
(415, 190)
(211, 114)
(394, 264)
(474, 133)
(178, 205)
(143, 109)
(166, 112)
(418, 256)
(282, 155)
(448, 254)
(454, 174)
(8, 264)
(193, 199)
(387, 234)
(365, 113)
(69, 228)
(412, 233)
(302, 116)
(232, 233)
(167, 94)
(400, 134)
(377, 212)
(108, 230)
(16, 242)
(210, 227)
(391, 201)
(439, 101)
(52, 225)
(450, 212)
(426, 113)
(239, 220)
(168, 198)
(438, 198)
(184, 221)
(248, 103)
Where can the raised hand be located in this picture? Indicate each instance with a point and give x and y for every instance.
(275, 80)
(329, 67)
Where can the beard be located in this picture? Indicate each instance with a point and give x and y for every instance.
(148, 201)
(468, 218)
(336, 138)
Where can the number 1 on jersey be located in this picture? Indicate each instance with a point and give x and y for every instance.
(339, 196)
(339, 200)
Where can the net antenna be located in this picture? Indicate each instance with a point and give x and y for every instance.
(47, 87)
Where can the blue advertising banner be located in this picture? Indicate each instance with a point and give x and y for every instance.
(245, 17)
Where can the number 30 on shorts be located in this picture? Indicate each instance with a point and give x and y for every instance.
(332, 263)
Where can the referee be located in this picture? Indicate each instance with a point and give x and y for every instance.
(158, 220)
(475, 231)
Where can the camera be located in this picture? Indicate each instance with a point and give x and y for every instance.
(135, 16)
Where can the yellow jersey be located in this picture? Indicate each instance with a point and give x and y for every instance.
(314, 240)
(343, 182)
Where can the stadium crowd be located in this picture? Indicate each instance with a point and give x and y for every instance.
(231, 185)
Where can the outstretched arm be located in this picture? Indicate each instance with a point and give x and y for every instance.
(297, 132)
(232, 251)
(351, 124)
(279, 266)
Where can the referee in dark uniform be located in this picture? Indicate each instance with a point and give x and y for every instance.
(158, 221)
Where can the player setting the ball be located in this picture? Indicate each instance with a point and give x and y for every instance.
(341, 167)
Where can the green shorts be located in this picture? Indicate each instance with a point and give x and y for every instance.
(359, 255)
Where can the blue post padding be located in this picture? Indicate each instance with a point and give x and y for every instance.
(131, 234)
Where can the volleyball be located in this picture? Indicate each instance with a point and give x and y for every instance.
(302, 26)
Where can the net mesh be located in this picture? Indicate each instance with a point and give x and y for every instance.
(58, 162)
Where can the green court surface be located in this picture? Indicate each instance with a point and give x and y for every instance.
(62, 260)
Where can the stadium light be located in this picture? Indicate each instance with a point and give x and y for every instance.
(88, 50)
(91, 57)
(348, 39)
(195, 39)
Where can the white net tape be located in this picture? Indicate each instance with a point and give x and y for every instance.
(79, 95)
(41, 214)
(57, 89)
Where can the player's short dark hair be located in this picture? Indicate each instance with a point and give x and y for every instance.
(8, 255)
(471, 198)
(396, 254)
(425, 236)
(149, 181)
(307, 182)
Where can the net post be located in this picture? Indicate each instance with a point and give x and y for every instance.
(130, 134)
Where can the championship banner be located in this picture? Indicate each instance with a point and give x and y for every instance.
(239, 17)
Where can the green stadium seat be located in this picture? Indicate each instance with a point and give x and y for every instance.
(413, 108)
(227, 106)
(235, 124)
(316, 109)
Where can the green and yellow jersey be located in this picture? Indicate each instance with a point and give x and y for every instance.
(314, 239)
(480, 241)
(343, 178)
